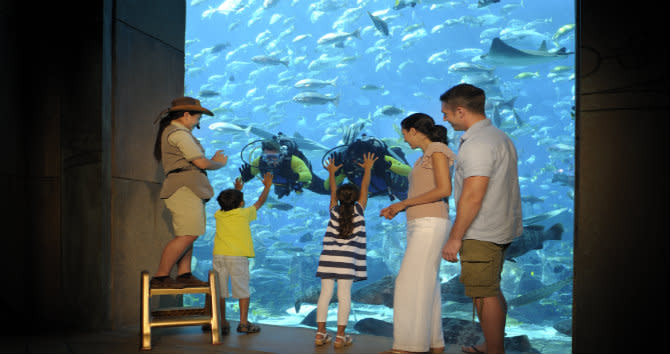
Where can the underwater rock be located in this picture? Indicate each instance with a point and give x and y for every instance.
(532, 238)
(362, 292)
(377, 293)
(453, 290)
(461, 331)
(564, 327)
(520, 344)
(308, 236)
(311, 296)
(374, 327)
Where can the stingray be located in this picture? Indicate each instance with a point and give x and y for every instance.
(503, 54)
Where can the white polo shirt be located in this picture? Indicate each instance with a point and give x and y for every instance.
(487, 151)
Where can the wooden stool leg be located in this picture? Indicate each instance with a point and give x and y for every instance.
(145, 316)
(215, 314)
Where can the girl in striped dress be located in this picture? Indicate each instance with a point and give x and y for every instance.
(343, 255)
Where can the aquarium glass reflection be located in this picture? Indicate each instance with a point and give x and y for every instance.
(328, 72)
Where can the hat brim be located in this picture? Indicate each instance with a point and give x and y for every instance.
(191, 108)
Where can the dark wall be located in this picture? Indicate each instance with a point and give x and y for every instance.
(621, 243)
(56, 98)
(82, 82)
(72, 202)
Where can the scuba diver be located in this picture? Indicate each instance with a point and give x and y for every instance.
(389, 176)
(291, 169)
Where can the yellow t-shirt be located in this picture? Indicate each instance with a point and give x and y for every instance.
(233, 234)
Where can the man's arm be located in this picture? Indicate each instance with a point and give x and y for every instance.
(467, 208)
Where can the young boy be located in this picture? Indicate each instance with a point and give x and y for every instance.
(232, 248)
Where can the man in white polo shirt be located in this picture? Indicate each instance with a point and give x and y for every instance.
(488, 209)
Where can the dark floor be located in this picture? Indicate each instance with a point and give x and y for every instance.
(191, 339)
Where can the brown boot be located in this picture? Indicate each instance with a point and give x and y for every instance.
(165, 283)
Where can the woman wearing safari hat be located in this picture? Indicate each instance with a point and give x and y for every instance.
(185, 189)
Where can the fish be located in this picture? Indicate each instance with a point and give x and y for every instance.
(267, 60)
(484, 3)
(338, 39)
(463, 67)
(279, 205)
(270, 3)
(315, 98)
(562, 32)
(500, 53)
(380, 25)
(308, 144)
(563, 179)
(208, 93)
(402, 4)
(439, 57)
(303, 143)
(300, 37)
(229, 128)
(219, 47)
(391, 110)
(314, 83)
(539, 294)
(372, 87)
(527, 75)
(541, 217)
(531, 199)
(532, 238)
(497, 118)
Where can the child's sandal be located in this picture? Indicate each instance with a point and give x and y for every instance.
(248, 328)
(342, 341)
(322, 338)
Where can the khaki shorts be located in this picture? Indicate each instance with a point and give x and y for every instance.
(481, 266)
(235, 268)
(188, 212)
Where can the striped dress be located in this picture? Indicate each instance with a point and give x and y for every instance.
(340, 258)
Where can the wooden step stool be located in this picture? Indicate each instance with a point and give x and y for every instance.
(180, 316)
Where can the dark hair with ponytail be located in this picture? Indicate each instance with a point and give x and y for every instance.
(164, 122)
(347, 195)
(425, 124)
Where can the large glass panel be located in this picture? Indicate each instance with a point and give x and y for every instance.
(325, 73)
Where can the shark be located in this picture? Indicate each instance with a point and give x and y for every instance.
(504, 54)
(303, 142)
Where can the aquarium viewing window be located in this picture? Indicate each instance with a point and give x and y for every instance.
(326, 73)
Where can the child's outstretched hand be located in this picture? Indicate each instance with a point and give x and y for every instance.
(369, 159)
(238, 183)
(331, 166)
(267, 179)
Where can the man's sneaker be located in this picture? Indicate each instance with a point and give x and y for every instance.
(165, 283)
(188, 280)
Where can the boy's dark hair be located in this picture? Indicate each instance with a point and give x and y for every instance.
(465, 95)
(347, 195)
(230, 199)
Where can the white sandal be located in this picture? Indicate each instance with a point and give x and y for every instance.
(344, 341)
(325, 338)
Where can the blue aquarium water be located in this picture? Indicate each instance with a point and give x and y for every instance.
(324, 71)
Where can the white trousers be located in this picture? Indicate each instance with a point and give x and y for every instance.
(343, 300)
(417, 304)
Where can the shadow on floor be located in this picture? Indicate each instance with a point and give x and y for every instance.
(191, 339)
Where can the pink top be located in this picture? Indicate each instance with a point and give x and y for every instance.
(422, 180)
